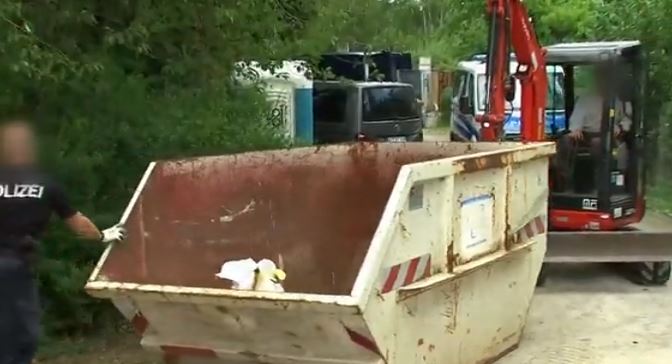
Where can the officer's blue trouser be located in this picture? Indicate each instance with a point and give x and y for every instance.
(19, 311)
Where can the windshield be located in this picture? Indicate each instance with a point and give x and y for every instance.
(554, 101)
(389, 103)
(329, 105)
(556, 92)
(482, 95)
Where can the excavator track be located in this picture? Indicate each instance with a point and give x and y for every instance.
(644, 248)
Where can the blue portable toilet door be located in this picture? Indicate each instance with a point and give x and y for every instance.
(304, 123)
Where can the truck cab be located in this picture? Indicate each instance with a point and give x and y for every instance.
(470, 83)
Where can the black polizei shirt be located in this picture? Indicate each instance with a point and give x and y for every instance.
(28, 198)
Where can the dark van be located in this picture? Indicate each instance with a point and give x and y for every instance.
(375, 111)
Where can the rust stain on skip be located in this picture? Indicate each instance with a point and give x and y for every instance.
(487, 162)
(509, 240)
(317, 207)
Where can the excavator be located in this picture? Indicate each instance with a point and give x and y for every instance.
(597, 212)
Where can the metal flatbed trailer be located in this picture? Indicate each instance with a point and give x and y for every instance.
(648, 241)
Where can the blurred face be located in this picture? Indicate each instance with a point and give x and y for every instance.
(17, 144)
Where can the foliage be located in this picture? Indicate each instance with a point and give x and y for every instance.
(449, 30)
(113, 85)
(646, 20)
(446, 30)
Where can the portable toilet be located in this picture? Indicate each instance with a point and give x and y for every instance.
(289, 93)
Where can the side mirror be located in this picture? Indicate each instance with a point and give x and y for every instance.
(465, 105)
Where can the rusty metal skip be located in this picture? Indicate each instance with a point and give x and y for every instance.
(395, 253)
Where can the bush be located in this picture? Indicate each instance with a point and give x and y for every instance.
(114, 85)
(98, 138)
(99, 148)
(446, 106)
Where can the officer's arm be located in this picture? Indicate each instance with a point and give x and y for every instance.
(83, 227)
(86, 229)
(78, 222)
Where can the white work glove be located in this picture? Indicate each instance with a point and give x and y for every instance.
(115, 233)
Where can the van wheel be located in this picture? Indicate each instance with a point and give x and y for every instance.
(649, 273)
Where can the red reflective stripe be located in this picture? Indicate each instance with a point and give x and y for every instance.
(140, 323)
(541, 227)
(391, 278)
(406, 273)
(410, 272)
(533, 228)
(363, 341)
(428, 268)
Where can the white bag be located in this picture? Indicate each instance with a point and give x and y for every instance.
(247, 274)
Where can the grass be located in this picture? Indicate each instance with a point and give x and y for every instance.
(660, 197)
(108, 347)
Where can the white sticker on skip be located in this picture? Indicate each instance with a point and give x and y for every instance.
(476, 214)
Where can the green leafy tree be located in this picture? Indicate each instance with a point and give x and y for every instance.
(113, 85)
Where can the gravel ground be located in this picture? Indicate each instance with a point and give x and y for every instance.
(588, 314)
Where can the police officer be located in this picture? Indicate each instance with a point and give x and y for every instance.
(27, 200)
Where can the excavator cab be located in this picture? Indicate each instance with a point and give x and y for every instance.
(598, 179)
(596, 210)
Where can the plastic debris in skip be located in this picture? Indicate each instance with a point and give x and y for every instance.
(247, 274)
